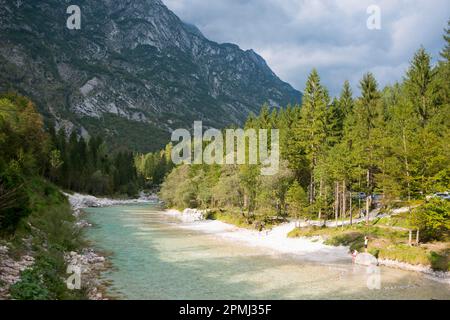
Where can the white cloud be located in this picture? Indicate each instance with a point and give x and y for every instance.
(295, 36)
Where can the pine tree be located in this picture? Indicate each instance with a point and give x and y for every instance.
(443, 78)
(335, 123)
(296, 199)
(419, 85)
(310, 133)
(361, 134)
(346, 101)
(445, 53)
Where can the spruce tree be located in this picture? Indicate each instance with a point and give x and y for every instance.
(419, 85)
(310, 133)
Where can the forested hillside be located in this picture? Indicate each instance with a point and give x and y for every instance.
(36, 220)
(133, 72)
(342, 157)
(391, 141)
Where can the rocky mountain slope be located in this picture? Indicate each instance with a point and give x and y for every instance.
(133, 72)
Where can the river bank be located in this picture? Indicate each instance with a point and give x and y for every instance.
(10, 270)
(277, 240)
(33, 257)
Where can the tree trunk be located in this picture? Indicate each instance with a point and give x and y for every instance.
(351, 209)
(405, 150)
(344, 202)
(410, 238)
(368, 180)
(311, 189)
(368, 200)
(320, 195)
(336, 203)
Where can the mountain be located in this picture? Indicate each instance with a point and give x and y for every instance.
(133, 72)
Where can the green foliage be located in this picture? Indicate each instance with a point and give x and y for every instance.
(400, 220)
(384, 243)
(45, 280)
(405, 253)
(305, 232)
(32, 208)
(153, 167)
(231, 218)
(88, 167)
(419, 85)
(50, 226)
(177, 190)
(432, 219)
(30, 287)
(296, 199)
(22, 138)
(23, 145)
(228, 192)
(390, 142)
(355, 240)
(439, 261)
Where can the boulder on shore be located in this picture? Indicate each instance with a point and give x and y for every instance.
(366, 259)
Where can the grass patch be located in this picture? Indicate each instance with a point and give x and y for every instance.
(307, 232)
(401, 220)
(439, 261)
(354, 240)
(257, 222)
(384, 243)
(405, 253)
(230, 218)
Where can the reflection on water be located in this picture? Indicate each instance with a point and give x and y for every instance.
(155, 259)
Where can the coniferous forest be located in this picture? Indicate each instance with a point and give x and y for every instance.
(390, 143)
(342, 158)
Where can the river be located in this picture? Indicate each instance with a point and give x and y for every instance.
(156, 256)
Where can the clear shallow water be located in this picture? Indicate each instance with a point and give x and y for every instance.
(153, 258)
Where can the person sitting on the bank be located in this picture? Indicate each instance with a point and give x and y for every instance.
(354, 255)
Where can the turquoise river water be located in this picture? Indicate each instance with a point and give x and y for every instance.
(153, 258)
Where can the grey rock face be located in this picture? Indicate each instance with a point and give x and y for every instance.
(133, 73)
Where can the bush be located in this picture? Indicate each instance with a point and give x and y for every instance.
(375, 252)
(45, 280)
(433, 220)
(14, 201)
(438, 261)
(30, 287)
(51, 227)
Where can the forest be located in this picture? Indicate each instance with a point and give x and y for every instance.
(36, 165)
(343, 156)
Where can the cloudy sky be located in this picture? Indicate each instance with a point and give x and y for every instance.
(295, 36)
